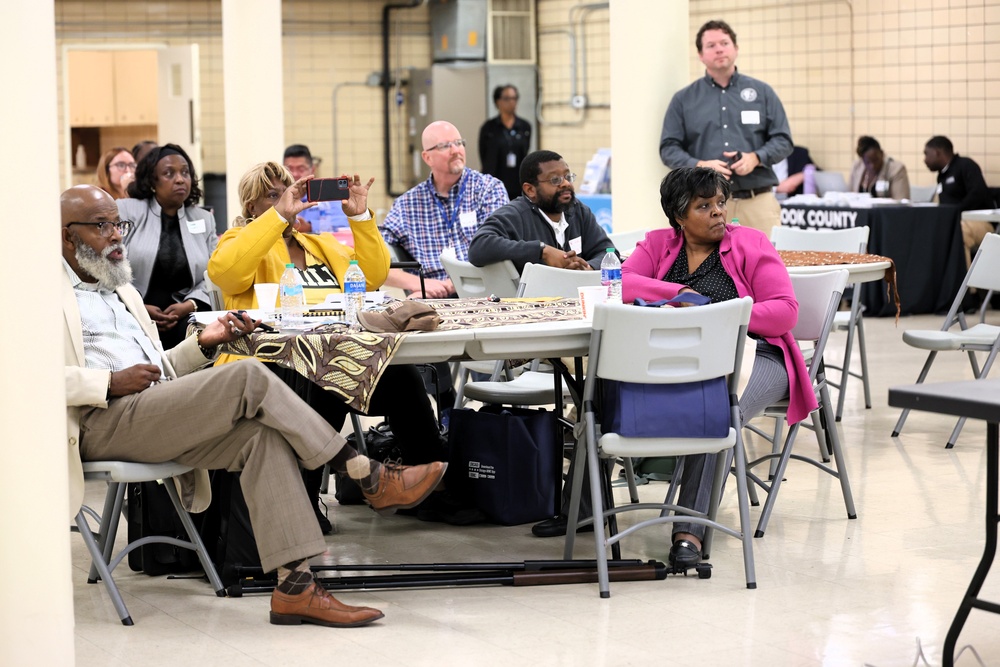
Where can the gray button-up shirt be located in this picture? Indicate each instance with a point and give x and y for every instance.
(705, 120)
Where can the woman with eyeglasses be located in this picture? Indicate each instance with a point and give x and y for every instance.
(256, 249)
(115, 170)
(171, 240)
(701, 253)
(504, 140)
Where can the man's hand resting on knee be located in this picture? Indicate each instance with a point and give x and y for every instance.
(133, 379)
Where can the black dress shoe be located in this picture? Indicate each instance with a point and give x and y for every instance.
(684, 554)
(556, 526)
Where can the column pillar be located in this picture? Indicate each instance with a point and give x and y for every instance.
(253, 89)
(650, 52)
(36, 599)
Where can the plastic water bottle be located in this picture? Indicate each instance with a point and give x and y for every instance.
(291, 296)
(611, 275)
(354, 292)
(809, 179)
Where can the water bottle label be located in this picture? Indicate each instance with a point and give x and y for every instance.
(353, 287)
(608, 275)
(291, 290)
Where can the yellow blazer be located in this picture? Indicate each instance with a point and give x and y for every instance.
(257, 254)
(88, 387)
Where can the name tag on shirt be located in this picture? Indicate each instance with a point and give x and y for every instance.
(511, 160)
(750, 117)
(576, 245)
(949, 180)
(196, 226)
(468, 219)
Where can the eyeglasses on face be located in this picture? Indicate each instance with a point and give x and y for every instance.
(509, 98)
(105, 228)
(445, 145)
(556, 181)
(123, 166)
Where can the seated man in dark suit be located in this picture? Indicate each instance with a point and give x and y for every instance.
(961, 184)
(547, 224)
(128, 399)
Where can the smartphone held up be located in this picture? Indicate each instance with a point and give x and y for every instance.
(329, 189)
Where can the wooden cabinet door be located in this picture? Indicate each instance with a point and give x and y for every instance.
(135, 75)
(91, 88)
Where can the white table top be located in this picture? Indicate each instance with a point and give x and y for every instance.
(985, 215)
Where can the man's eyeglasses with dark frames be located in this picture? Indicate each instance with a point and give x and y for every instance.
(123, 227)
(556, 181)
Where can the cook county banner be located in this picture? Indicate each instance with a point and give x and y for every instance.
(811, 217)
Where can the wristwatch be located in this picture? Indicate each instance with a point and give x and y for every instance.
(541, 247)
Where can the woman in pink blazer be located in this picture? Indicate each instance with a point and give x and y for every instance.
(702, 253)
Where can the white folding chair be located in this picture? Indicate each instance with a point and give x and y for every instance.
(625, 242)
(118, 474)
(662, 346)
(854, 239)
(214, 294)
(478, 282)
(955, 334)
(819, 296)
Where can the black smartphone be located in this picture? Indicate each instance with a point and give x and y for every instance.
(329, 189)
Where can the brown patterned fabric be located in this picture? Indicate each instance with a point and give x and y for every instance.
(350, 363)
(347, 363)
(814, 258)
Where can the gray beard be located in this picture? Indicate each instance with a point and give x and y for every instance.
(110, 275)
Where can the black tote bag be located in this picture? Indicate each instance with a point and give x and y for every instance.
(504, 461)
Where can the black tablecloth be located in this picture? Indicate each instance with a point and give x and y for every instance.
(925, 242)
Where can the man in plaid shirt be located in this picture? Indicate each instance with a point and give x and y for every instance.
(444, 211)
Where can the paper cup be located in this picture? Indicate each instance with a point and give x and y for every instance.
(590, 296)
(267, 298)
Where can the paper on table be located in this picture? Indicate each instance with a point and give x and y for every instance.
(336, 299)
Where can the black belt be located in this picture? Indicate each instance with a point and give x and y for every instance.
(747, 194)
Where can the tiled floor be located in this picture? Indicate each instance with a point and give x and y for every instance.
(830, 591)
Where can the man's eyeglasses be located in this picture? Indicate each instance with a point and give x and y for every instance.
(445, 145)
(105, 228)
(123, 166)
(556, 181)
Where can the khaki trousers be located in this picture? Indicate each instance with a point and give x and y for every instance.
(973, 233)
(237, 417)
(760, 212)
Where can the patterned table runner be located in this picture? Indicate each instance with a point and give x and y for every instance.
(350, 363)
(814, 258)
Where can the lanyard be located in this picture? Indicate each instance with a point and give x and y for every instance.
(458, 203)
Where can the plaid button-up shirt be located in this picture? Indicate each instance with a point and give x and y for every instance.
(424, 223)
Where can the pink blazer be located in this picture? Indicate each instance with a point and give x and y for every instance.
(758, 272)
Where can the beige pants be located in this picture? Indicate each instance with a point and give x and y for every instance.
(760, 212)
(973, 233)
(237, 417)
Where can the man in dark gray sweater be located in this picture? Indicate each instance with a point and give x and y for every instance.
(547, 224)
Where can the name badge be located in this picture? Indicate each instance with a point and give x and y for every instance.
(511, 160)
(576, 245)
(882, 186)
(468, 219)
(949, 180)
(196, 226)
(750, 117)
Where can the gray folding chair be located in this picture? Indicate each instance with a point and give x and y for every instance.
(118, 474)
(662, 346)
(854, 239)
(214, 293)
(955, 334)
(819, 296)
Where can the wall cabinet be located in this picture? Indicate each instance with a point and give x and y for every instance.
(110, 88)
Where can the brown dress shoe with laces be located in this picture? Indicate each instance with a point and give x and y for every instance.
(402, 487)
(315, 605)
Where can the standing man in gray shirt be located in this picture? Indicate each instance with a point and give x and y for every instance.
(731, 123)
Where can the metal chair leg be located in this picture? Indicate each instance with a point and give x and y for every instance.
(97, 558)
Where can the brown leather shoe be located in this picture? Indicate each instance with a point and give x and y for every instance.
(402, 487)
(315, 605)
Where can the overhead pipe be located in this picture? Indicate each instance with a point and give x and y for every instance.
(387, 87)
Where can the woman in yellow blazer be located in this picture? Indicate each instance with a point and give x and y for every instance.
(256, 249)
